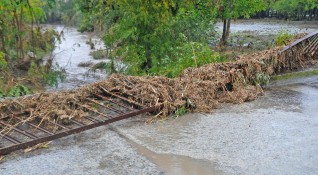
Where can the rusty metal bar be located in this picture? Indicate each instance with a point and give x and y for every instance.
(11, 139)
(24, 145)
(112, 101)
(56, 124)
(110, 108)
(35, 126)
(25, 133)
(313, 42)
(314, 45)
(40, 128)
(76, 122)
(95, 111)
(120, 97)
(14, 114)
(91, 119)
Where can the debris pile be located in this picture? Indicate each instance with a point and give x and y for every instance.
(197, 89)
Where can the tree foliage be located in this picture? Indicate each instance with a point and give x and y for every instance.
(22, 43)
(233, 9)
(149, 35)
(15, 17)
(295, 8)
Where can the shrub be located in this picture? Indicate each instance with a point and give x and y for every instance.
(283, 38)
(189, 55)
(18, 90)
(3, 62)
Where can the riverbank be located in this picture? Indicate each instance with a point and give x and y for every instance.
(27, 68)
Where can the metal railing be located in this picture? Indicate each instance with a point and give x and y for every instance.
(309, 44)
(104, 109)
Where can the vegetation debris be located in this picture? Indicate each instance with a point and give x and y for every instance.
(197, 89)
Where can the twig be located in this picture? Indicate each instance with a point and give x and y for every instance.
(194, 56)
(120, 97)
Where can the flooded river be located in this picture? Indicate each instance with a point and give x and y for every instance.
(72, 51)
(271, 27)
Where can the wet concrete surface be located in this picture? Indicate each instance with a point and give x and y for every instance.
(98, 151)
(276, 134)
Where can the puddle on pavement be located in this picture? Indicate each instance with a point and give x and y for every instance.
(175, 164)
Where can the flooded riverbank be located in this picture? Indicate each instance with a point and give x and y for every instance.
(276, 134)
(73, 49)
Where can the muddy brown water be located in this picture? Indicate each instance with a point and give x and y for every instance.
(176, 164)
(172, 164)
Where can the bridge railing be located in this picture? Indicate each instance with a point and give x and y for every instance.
(309, 44)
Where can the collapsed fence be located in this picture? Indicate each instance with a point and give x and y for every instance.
(198, 89)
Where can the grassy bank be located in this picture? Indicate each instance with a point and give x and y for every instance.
(294, 75)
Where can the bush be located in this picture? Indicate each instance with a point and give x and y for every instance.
(18, 90)
(283, 38)
(50, 77)
(189, 55)
(100, 66)
(261, 79)
(53, 77)
(3, 62)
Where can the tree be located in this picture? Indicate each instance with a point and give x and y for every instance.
(233, 9)
(21, 34)
(295, 8)
(149, 31)
(14, 15)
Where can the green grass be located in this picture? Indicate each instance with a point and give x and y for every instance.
(180, 111)
(295, 75)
